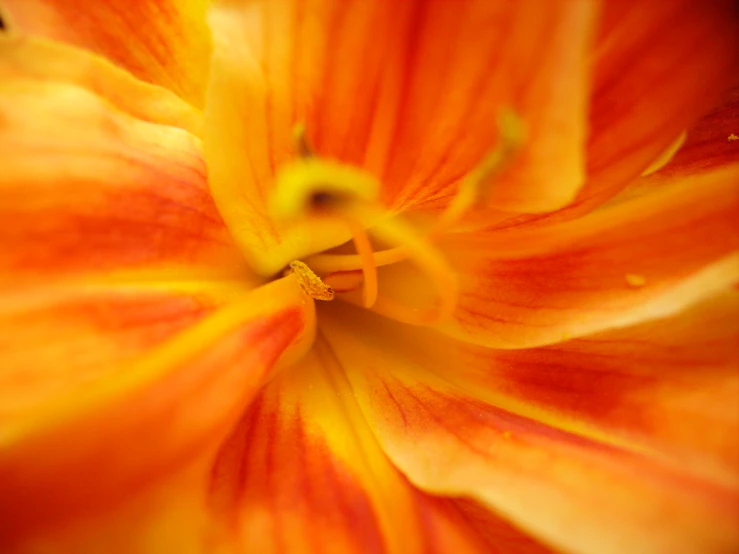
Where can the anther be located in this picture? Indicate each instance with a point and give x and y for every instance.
(309, 281)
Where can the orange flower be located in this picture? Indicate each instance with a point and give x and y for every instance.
(532, 338)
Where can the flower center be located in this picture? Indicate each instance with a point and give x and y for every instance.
(314, 186)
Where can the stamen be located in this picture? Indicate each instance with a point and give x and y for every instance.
(369, 269)
(310, 282)
(350, 262)
(474, 189)
(431, 261)
(472, 192)
(344, 281)
(312, 187)
(422, 253)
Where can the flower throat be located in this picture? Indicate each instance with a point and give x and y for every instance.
(316, 186)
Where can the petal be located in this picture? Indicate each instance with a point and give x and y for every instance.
(86, 188)
(44, 60)
(465, 66)
(60, 337)
(84, 454)
(417, 109)
(666, 388)
(573, 492)
(636, 260)
(164, 42)
(710, 143)
(658, 67)
(302, 473)
(691, 50)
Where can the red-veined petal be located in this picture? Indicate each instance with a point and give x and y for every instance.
(658, 67)
(88, 452)
(61, 337)
(638, 259)
(708, 145)
(713, 142)
(417, 108)
(576, 493)
(302, 473)
(666, 388)
(164, 42)
(87, 188)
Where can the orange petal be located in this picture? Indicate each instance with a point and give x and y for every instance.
(167, 517)
(712, 142)
(639, 259)
(303, 474)
(418, 108)
(575, 493)
(665, 388)
(690, 50)
(86, 453)
(668, 388)
(59, 338)
(164, 42)
(456, 68)
(86, 188)
(658, 67)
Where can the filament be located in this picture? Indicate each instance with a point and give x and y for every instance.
(366, 255)
(428, 258)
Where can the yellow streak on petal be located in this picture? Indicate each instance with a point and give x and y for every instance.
(664, 158)
(185, 346)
